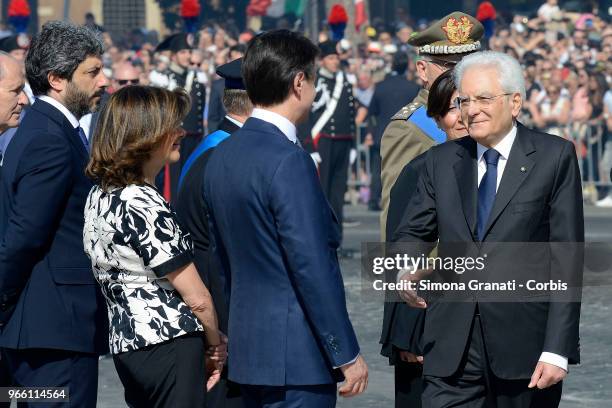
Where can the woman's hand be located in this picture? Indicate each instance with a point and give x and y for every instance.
(216, 356)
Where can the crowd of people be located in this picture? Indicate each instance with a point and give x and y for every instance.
(565, 55)
(203, 179)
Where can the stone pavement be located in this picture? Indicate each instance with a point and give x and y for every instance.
(587, 386)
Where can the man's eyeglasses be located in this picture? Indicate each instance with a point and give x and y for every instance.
(483, 102)
(123, 82)
(443, 64)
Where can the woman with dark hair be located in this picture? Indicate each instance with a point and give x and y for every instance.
(441, 106)
(161, 314)
(402, 324)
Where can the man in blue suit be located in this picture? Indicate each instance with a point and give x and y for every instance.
(52, 313)
(290, 338)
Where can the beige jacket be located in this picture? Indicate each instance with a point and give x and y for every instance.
(401, 142)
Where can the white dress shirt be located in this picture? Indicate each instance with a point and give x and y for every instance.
(503, 148)
(58, 105)
(281, 122)
(234, 121)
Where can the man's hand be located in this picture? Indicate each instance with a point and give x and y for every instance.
(218, 353)
(410, 296)
(408, 357)
(546, 375)
(355, 378)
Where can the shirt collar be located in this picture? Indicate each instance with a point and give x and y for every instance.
(281, 122)
(326, 73)
(234, 121)
(503, 147)
(58, 105)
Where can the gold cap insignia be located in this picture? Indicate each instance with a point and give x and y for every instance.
(458, 31)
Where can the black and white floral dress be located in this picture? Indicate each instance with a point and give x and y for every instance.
(133, 240)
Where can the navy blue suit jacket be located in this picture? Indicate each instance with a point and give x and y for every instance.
(274, 231)
(43, 267)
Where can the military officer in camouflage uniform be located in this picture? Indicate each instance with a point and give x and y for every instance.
(179, 75)
(439, 48)
(410, 133)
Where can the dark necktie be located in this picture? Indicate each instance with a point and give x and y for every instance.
(486, 191)
(83, 138)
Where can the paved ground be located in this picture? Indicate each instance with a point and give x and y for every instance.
(587, 386)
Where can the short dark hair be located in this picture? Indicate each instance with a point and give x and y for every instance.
(271, 62)
(440, 94)
(60, 48)
(400, 62)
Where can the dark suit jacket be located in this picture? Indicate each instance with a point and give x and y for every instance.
(42, 260)
(274, 231)
(191, 210)
(402, 324)
(539, 200)
(216, 110)
(389, 96)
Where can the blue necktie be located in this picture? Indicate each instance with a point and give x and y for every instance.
(83, 138)
(486, 191)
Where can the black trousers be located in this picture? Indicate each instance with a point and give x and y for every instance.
(226, 394)
(475, 386)
(169, 374)
(333, 171)
(408, 384)
(56, 368)
(375, 182)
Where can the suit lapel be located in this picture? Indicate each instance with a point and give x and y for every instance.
(467, 179)
(59, 118)
(517, 169)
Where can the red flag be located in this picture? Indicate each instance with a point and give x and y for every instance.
(258, 7)
(360, 14)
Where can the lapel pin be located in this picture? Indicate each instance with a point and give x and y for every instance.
(523, 169)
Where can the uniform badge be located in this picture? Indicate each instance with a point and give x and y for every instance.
(458, 31)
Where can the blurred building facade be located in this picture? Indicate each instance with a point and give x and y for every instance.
(116, 16)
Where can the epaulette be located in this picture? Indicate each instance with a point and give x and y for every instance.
(406, 111)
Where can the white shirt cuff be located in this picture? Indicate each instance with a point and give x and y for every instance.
(350, 362)
(554, 359)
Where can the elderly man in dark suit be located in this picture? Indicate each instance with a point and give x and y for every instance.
(502, 184)
(12, 97)
(53, 315)
(273, 231)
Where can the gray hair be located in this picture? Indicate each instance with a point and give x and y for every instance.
(237, 101)
(59, 49)
(3, 54)
(510, 72)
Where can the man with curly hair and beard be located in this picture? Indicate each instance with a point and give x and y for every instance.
(52, 313)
